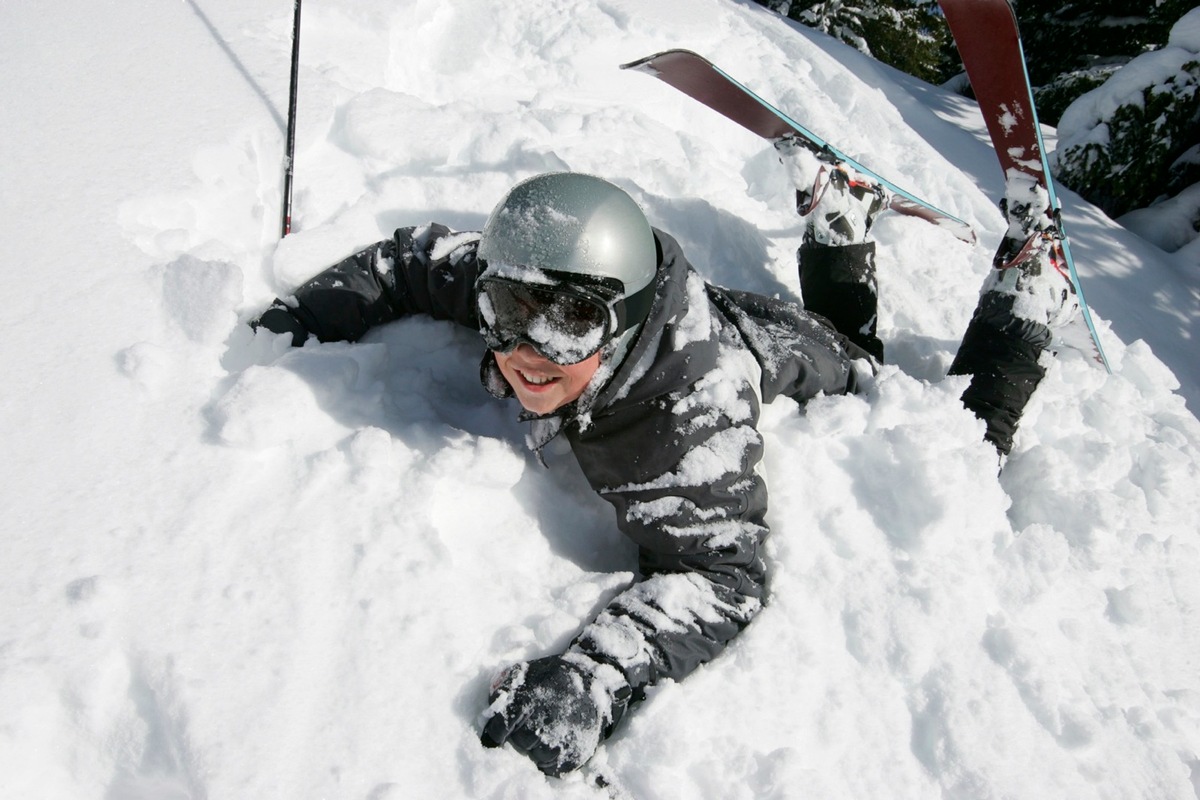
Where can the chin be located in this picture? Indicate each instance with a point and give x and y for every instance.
(539, 405)
(541, 402)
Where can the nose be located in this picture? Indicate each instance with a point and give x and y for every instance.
(529, 354)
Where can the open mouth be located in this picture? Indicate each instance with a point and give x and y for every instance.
(536, 380)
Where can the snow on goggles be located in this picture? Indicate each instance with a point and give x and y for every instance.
(567, 318)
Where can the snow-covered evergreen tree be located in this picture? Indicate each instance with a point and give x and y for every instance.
(1074, 46)
(1134, 139)
(907, 34)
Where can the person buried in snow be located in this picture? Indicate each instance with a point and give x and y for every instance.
(600, 328)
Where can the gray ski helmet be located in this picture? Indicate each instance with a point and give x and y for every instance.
(574, 223)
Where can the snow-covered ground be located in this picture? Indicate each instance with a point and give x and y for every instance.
(231, 570)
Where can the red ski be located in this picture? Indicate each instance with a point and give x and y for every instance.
(989, 42)
(985, 32)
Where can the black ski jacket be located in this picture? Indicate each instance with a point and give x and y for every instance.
(670, 439)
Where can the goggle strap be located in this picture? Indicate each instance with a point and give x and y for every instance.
(637, 306)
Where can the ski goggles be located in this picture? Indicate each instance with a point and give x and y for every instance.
(567, 317)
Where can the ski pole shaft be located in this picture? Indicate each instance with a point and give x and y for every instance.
(289, 156)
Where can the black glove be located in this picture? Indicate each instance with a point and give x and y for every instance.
(556, 710)
(278, 319)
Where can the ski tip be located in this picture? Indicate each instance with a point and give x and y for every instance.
(1080, 335)
(644, 67)
(642, 64)
(960, 230)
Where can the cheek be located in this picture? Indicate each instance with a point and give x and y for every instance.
(579, 375)
(502, 363)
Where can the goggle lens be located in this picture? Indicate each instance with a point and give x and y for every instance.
(559, 322)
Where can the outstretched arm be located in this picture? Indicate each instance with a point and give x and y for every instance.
(696, 511)
(420, 270)
(694, 504)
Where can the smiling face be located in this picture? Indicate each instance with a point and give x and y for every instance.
(541, 385)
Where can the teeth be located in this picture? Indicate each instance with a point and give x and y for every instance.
(536, 380)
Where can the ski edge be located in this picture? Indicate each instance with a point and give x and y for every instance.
(1056, 205)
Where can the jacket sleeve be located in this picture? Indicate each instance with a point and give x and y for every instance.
(801, 354)
(420, 270)
(694, 504)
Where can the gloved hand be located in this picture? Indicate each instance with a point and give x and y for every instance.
(278, 319)
(556, 710)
